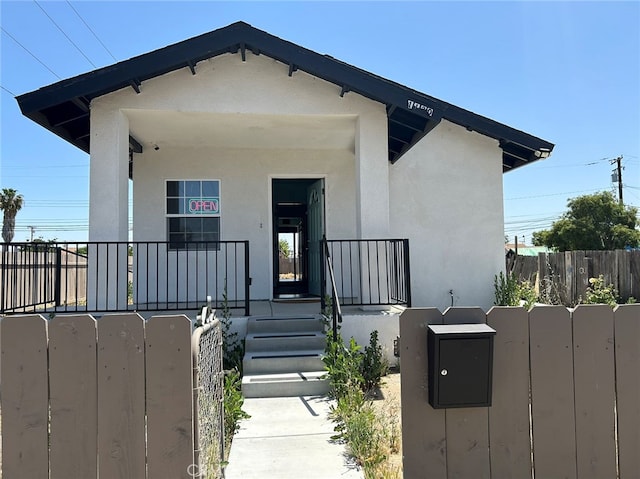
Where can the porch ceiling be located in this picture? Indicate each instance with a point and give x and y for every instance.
(235, 130)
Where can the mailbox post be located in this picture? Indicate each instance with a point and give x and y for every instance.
(460, 365)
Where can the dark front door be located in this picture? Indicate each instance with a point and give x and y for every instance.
(315, 216)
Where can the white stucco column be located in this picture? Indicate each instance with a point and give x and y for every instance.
(372, 199)
(109, 175)
(108, 209)
(372, 175)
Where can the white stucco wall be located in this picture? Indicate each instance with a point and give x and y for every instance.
(446, 197)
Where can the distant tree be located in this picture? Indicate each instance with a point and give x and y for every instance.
(10, 202)
(593, 222)
(39, 244)
(284, 247)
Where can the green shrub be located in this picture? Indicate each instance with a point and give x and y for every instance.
(600, 293)
(233, 348)
(527, 293)
(506, 290)
(233, 401)
(509, 291)
(374, 364)
(364, 440)
(343, 365)
(369, 436)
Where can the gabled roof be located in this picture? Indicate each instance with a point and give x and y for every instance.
(63, 107)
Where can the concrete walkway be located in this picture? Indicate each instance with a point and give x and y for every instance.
(288, 438)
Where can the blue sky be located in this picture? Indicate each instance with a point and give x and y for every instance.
(568, 72)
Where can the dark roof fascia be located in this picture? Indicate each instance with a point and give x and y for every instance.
(241, 37)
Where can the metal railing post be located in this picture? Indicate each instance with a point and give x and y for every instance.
(407, 271)
(323, 275)
(247, 279)
(58, 276)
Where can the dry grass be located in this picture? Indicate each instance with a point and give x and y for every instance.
(387, 404)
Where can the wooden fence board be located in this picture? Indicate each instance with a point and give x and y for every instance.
(25, 405)
(510, 446)
(121, 385)
(582, 277)
(467, 428)
(570, 272)
(635, 274)
(169, 397)
(73, 397)
(593, 364)
(423, 428)
(553, 412)
(627, 357)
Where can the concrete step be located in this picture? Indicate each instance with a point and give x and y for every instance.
(281, 341)
(263, 362)
(285, 385)
(283, 324)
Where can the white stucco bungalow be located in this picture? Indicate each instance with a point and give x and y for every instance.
(239, 135)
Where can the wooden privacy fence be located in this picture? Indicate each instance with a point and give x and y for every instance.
(112, 398)
(565, 276)
(566, 397)
(40, 275)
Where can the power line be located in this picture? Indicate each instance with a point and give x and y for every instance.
(29, 52)
(63, 32)
(551, 194)
(8, 91)
(40, 167)
(91, 30)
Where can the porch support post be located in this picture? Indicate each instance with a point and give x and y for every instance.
(372, 176)
(109, 176)
(372, 202)
(108, 209)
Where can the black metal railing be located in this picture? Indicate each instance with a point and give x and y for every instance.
(371, 272)
(123, 276)
(336, 309)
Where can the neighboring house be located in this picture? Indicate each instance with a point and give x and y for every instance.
(239, 135)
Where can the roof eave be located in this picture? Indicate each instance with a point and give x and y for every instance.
(420, 113)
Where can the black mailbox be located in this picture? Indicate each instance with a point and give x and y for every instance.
(460, 365)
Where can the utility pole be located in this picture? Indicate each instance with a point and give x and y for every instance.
(32, 228)
(618, 175)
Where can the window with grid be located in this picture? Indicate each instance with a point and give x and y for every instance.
(193, 214)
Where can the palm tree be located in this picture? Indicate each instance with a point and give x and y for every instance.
(10, 202)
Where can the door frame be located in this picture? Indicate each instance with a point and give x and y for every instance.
(301, 176)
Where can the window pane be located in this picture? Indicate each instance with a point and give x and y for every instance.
(192, 189)
(173, 188)
(193, 225)
(210, 225)
(176, 225)
(173, 206)
(176, 241)
(192, 229)
(210, 237)
(210, 189)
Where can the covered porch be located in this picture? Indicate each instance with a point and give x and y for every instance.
(106, 277)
